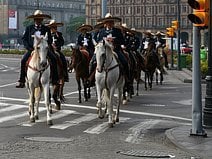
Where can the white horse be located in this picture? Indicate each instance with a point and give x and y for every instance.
(38, 78)
(108, 79)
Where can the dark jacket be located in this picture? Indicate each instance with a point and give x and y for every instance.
(30, 30)
(58, 40)
(119, 38)
(147, 39)
(160, 42)
(88, 36)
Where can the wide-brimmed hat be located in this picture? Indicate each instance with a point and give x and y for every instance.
(39, 15)
(160, 33)
(53, 23)
(85, 27)
(123, 27)
(109, 17)
(99, 25)
(133, 31)
(148, 32)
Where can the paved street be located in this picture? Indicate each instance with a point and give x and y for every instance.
(78, 133)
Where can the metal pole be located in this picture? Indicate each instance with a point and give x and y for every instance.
(172, 56)
(207, 111)
(104, 8)
(178, 36)
(197, 128)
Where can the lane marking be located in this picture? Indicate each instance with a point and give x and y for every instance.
(10, 84)
(86, 118)
(100, 128)
(10, 108)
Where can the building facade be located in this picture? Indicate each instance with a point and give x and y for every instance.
(154, 15)
(13, 13)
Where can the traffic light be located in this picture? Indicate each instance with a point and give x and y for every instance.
(200, 15)
(175, 24)
(170, 32)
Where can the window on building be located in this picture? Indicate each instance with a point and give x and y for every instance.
(138, 22)
(117, 10)
(128, 10)
(138, 10)
(160, 22)
(93, 10)
(184, 9)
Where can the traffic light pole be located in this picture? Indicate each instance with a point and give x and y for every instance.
(207, 111)
(178, 37)
(197, 128)
(172, 54)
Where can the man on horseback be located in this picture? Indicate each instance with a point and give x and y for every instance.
(115, 35)
(84, 39)
(39, 29)
(58, 42)
(161, 43)
(145, 43)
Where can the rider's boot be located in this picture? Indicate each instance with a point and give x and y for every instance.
(21, 81)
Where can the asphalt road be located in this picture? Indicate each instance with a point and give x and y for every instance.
(78, 133)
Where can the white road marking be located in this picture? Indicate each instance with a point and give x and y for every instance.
(10, 84)
(100, 128)
(86, 118)
(10, 108)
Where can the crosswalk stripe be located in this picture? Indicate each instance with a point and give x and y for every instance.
(56, 115)
(140, 129)
(100, 128)
(10, 108)
(87, 117)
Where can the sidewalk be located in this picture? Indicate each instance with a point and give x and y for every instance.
(180, 136)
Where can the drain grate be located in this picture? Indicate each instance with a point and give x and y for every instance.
(145, 153)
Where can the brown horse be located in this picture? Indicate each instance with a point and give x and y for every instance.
(150, 63)
(80, 63)
(160, 71)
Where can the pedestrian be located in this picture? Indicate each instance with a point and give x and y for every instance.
(57, 43)
(39, 29)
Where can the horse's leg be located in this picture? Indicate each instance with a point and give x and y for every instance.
(85, 90)
(124, 94)
(110, 94)
(56, 89)
(38, 92)
(79, 89)
(150, 79)
(31, 104)
(156, 74)
(146, 79)
(99, 103)
(46, 98)
(161, 78)
(61, 96)
(120, 91)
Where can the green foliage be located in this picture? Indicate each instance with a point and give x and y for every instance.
(74, 23)
(188, 60)
(204, 68)
(12, 51)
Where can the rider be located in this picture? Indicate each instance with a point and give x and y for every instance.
(109, 31)
(58, 42)
(27, 38)
(149, 38)
(84, 39)
(161, 43)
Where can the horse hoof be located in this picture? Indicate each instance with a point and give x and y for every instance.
(36, 117)
(101, 116)
(49, 122)
(32, 120)
(110, 125)
(57, 107)
(137, 94)
(117, 120)
(79, 101)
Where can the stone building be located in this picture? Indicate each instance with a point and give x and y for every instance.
(62, 10)
(154, 15)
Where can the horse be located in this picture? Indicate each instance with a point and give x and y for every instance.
(160, 71)
(80, 63)
(150, 64)
(108, 78)
(38, 78)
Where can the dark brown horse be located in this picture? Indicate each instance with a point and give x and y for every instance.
(150, 63)
(80, 63)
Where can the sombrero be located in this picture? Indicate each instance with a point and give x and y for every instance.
(148, 32)
(53, 23)
(160, 33)
(39, 15)
(123, 27)
(109, 17)
(133, 31)
(99, 25)
(84, 27)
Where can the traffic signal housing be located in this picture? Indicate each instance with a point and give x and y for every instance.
(170, 32)
(175, 24)
(200, 14)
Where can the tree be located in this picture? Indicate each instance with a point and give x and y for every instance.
(73, 24)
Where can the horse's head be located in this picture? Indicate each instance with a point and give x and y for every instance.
(41, 47)
(74, 53)
(103, 50)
